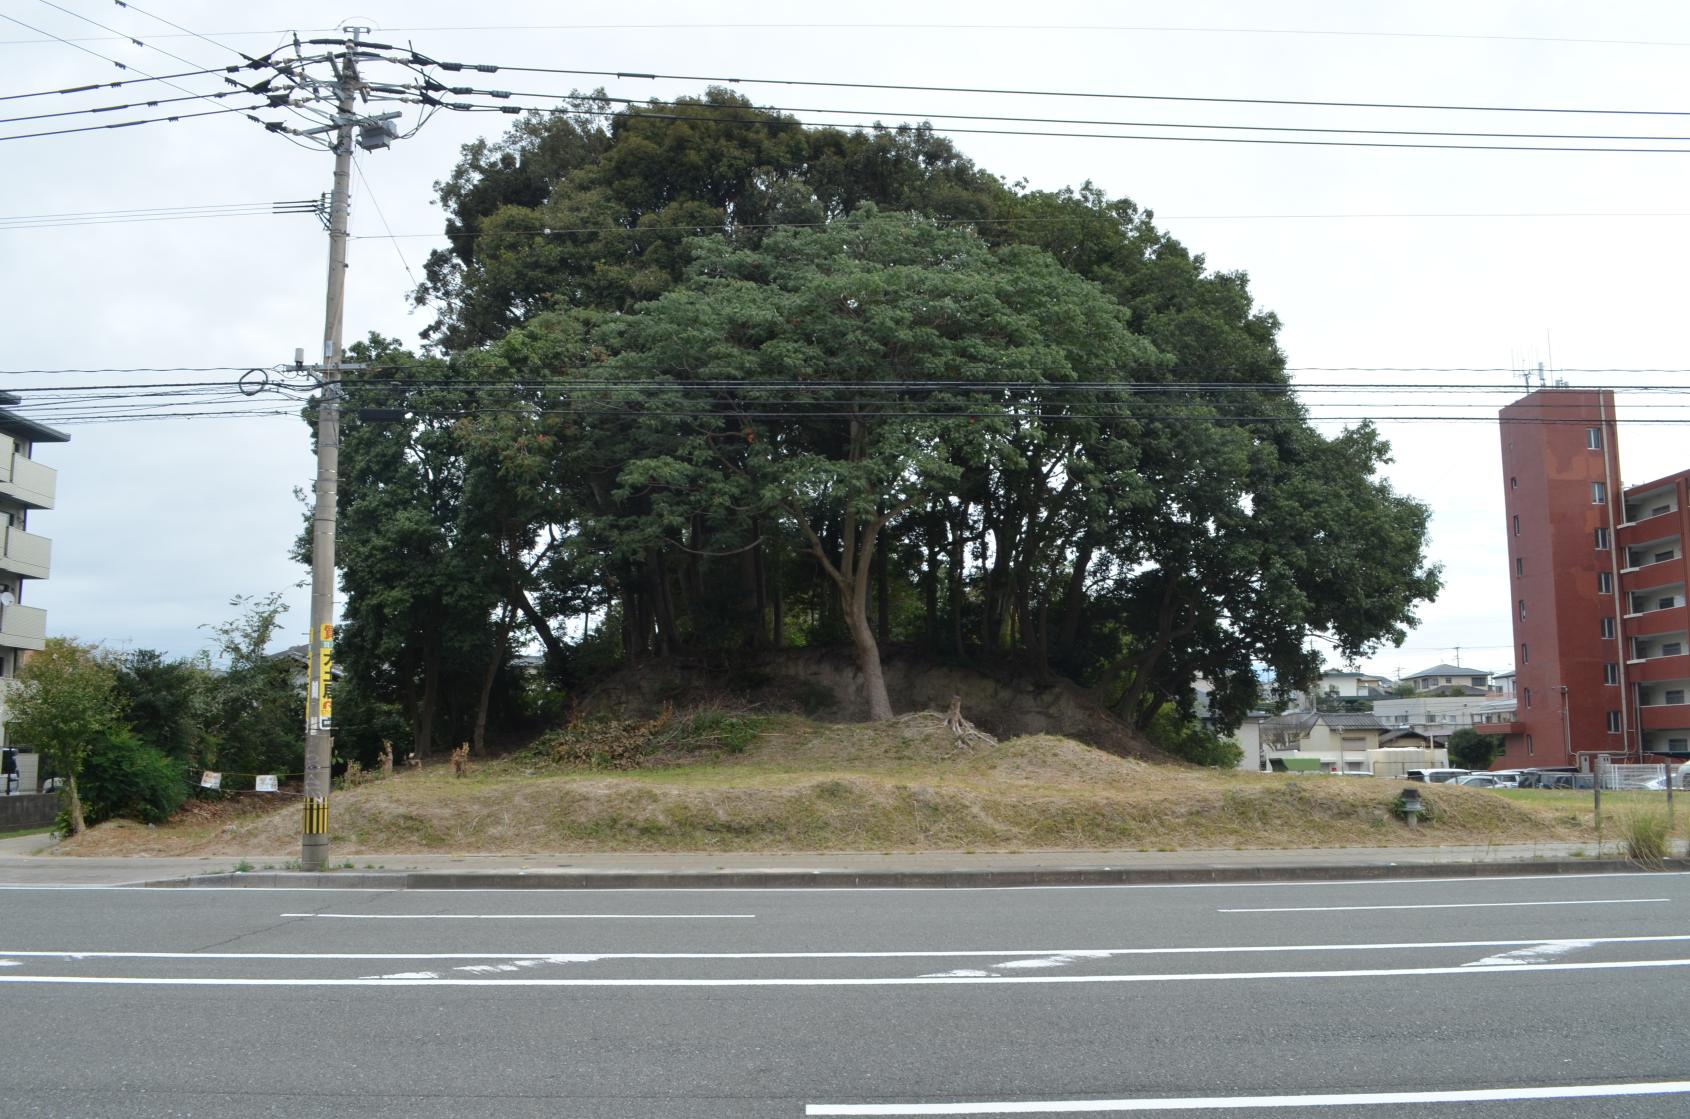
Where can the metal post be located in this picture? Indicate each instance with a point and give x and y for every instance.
(319, 743)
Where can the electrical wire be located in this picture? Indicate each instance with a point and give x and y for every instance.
(133, 123)
(164, 213)
(705, 116)
(876, 126)
(490, 68)
(92, 87)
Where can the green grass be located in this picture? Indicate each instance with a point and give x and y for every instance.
(45, 829)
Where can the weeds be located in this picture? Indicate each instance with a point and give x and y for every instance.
(1646, 835)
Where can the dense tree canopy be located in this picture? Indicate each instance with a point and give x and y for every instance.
(705, 379)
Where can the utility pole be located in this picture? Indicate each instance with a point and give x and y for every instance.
(319, 738)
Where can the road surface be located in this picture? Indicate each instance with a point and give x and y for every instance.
(1498, 998)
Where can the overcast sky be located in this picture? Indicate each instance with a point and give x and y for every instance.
(1372, 257)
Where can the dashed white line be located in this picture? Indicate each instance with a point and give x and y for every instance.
(1215, 1103)
(1444, 905)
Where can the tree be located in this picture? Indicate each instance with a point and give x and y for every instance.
(858, 309)
(1468, 749)
(257, 718)
(65, 701)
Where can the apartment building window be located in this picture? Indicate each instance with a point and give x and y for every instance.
(1519, 567)
(1516, 524)
(1664, 603)
(1610, 673)
(1527, 696)
(1598, 493)
(1607, 629)
(1613, 722)
(1604, 582)
(1593, 438)
(1672, 649)
(1529, 750)
(1602, 539)
(1522, 609)
(1524, 659)
(1662, 557)
(1513, 483)
(1675, 695)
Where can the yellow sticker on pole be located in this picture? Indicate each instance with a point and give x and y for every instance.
(316, 815)
(325, 632)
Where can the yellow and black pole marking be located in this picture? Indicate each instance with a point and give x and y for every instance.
(316, 815)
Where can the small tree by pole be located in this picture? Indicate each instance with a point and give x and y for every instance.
(66, 699)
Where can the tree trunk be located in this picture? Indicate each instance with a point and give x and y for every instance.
(77, 824)
(542, 628)
(1073, 602)
(868, 663)
(501, 635)
(424, 732)
(778, 609)
(882, 600)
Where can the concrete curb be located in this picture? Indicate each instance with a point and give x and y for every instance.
(920, 879)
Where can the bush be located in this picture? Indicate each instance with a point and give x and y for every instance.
(1191, 741)
(123, 776)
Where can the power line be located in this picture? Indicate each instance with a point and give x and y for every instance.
(132, 39)
(133, 123)
(956, 27)
(875, 126)
(94, 86)
(490, 68)
(1090, 121)
(168, 213)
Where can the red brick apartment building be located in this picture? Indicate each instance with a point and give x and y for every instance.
(1598, 575)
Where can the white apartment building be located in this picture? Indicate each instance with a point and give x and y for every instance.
(26, 488)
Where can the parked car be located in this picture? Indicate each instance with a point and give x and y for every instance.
(1536, 778)
(1505, 778)
(1481, 781)
(1568, 781)
(1435, 776)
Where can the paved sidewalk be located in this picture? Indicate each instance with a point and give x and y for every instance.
(27, 861)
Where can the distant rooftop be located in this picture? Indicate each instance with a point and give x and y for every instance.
(1446, 670)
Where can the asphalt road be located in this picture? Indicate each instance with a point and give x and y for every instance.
(1511, 997)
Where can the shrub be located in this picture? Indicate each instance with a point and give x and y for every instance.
(123, 776)
(1190, 741)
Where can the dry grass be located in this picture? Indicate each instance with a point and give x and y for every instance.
(802, 786)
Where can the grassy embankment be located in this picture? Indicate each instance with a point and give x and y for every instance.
(723, 782)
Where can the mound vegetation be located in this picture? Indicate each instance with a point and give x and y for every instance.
(724, 780)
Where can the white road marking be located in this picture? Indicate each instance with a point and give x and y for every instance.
(1534, 954)
(1059, 959)
(11, 963)
(1204, 1103)
(533, 917)
(1445, 905)
(941, 953)
(959, 973)
(1442, 880)
(1006, 980)
(406, 975)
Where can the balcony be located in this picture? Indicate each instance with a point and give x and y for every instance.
(27, 482)
(26, 554)
(1654, 623)
(23, 627)
(1647, 525)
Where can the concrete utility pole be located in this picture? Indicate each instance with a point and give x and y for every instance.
(319, 739)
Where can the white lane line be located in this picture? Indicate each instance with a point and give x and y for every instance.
(1535, 954)
(1447, 880)
(533, 917)
(1443, 905)
(901, 981)
(1203, 1103)
(940, 953)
